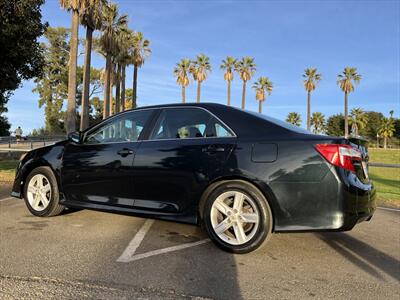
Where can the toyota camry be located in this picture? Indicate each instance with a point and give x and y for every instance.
(240, 175)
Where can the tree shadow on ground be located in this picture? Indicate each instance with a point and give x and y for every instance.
(362, 255)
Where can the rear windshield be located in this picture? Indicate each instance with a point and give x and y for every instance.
(278, 122)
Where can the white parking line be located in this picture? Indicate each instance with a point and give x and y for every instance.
(165, 250)
(129, 253)
(386, 208)
(135, 242)
(9, 198)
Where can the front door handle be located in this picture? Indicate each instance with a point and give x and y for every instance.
(125, 152)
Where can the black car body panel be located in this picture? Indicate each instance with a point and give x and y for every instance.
(166, 178)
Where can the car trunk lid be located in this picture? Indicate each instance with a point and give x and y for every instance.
(361, 167)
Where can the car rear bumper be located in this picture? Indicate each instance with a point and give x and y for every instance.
(359, 202)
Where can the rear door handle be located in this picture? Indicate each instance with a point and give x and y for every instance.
(125, 152)
(213, 149)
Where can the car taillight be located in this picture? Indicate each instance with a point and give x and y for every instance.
(339, 155)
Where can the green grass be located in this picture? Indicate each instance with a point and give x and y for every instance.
(7, 170)
(387, 183)
(386, 180)
(384, 156)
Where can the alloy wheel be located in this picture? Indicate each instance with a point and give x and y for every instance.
(235, 217)
(39, 192)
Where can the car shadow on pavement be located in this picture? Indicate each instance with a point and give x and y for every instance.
(362, 255)
(199, 271)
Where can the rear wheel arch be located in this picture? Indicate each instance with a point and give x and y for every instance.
(267, 193)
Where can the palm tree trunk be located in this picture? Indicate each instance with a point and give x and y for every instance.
(309, 111)
(260, 107)
(118, 89)
(86, 80)
(384, 142)
(183, 94)
(135, 72)
(229, 93)
(244, 95)
(198, 91)
(112, 72)
(346, 117)
(71, 105)
(123, 87)
(106, 106)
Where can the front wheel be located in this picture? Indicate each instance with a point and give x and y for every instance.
(237, 217)
(41, 193)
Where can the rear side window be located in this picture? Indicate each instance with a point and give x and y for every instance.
(280, 123)
(182, 123)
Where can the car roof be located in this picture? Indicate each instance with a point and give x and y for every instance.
(203, 104)
(243, 123)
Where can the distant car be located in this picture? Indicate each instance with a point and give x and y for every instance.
(240, 174)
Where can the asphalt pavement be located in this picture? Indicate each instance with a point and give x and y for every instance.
(78, 255)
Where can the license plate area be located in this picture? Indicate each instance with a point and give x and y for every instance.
(365, 169)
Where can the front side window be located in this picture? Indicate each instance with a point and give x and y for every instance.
(182, 123)
(126, 128)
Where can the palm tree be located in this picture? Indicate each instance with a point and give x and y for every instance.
(358, 120)
(112, 27)
(246, 69)
(261, 86)
(118, 88)
(318, 122)
(112, 83)
(181, 72)
(294, 118)
(199, 69)
(123, 59)
(345, 81)
(228, 65)
(74, 6)
(123, 64)
(311, 80)
(140, 51)
(386, 130)
(91, 16)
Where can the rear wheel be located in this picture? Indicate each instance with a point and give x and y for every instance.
(237, 217)
(41, 193)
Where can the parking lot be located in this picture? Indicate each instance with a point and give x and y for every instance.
(88, 254)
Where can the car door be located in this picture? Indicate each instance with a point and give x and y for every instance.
(99, 169)
(187, 148)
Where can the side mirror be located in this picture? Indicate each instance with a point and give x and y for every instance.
(75, 137)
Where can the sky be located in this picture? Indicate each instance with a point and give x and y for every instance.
(284, 37)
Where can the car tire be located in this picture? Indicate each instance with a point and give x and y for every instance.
(237, 217)
(41, 193)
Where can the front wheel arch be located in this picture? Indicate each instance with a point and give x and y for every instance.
(32, 165)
